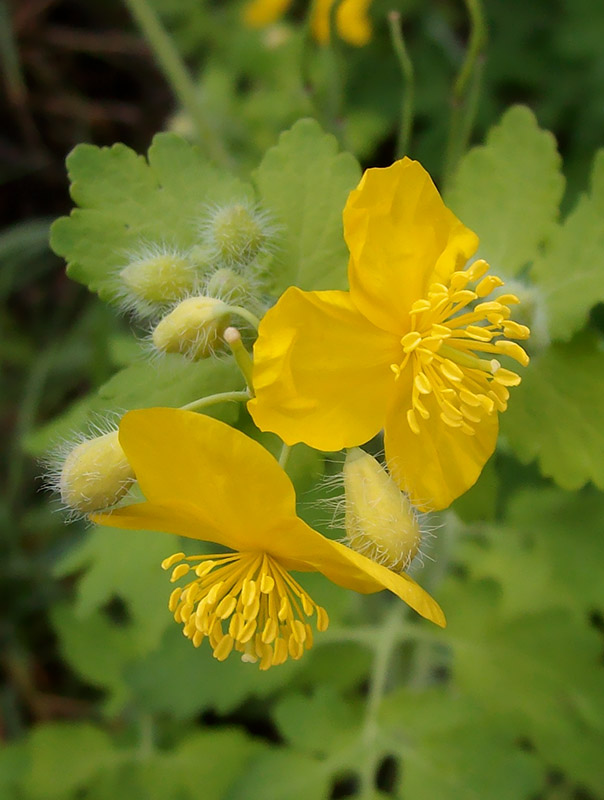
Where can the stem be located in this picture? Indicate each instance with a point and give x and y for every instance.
(464, 99)
(177, 75)
(246, 315)
(406, 67)
(212, 399)
(377, 685)
(284, 455)
(243, 359)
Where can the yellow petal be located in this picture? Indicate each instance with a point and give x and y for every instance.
(321, 371)
(220, 477)
(402, 238)
(353, 21)
(320, 20)
(440, 462)
(310, 551)
(259, 13)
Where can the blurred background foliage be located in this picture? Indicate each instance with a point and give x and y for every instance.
(102, 697)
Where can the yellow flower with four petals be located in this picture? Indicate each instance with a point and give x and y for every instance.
(352, 20)
(412, 348)
(207, 481)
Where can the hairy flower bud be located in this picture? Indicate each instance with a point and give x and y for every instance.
(380, 521)
(237, 233)
(96, 474)
(229, 286)
(158, 279)
(192, 328)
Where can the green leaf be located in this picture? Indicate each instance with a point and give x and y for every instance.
(305, 182)
(448, 747)
(283, 775)
(204, 764)
(555, 415)
(14, 767)
(97, 649)
(124, 564)
(319, 725)
(128, 204)
(571, 270)
(541, 669)
(558, 555)
(508, 191)
(66, 757)
(192, 681)
(171, 381)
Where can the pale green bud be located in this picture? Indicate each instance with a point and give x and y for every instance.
(237, 233)
(96, 474)
(160, 279)
(229, 285)
(192, 328)
(380, 521)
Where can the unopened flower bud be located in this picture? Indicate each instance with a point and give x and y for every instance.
(237, 233)
(380, 521)
(229, 286)
(159, 279)
(192, 328)
(96, 474)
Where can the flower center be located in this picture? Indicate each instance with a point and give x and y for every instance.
(263, 609)
(446, 346)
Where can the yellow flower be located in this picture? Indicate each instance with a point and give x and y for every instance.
(205, 480)
(352, 20)
(412, 348)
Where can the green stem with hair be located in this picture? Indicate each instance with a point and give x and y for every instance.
(466, 90)
(406, 67)
(212, 399)
(177, 75)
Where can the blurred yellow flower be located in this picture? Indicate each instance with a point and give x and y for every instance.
(404, 350)
(352, 20)
(205, 480)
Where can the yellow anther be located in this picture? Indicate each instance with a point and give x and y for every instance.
(410, 341)
(419, 406)
(420, 305)
(487, 285)
(490, 307)
(247, 631)
(513, 350)
(226, 607)
(487, 403)
(251, 611)
(284, 609)
(212, 595)
(270, 631)
(204, 568)
(459, 280)
(506, 377)
(470, 413)
(185, 611)
(412, 421)
(224, 647)
(422, 383)
(508, 299)
(171, 560)
(174, 599)
(469, 398)
(197, 638)
(267, 584)
(438, 290)
(451, 421)
(179, 571)
(481, 334)
(235, 626)
(476, 270)
(513, 330)
(451, 371)
(248, 592)
(322, 619)
(440, 331)
(464, 296)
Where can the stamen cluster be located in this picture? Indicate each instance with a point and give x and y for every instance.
(263, 609)
(448, 332)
